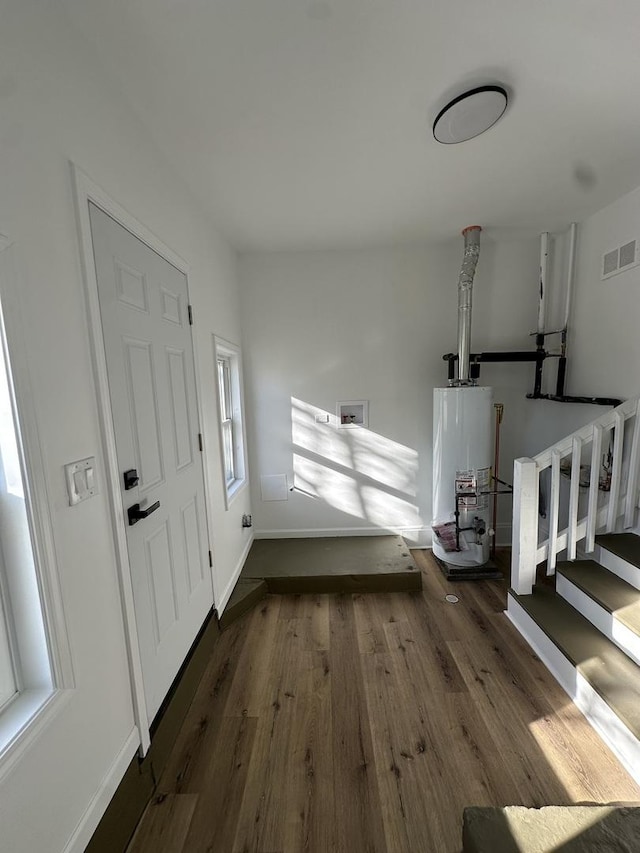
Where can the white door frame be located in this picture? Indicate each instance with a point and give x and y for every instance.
(85, 191)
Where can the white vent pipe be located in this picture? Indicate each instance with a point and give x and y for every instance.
(465, 285)
(571, 271)
(544, 278)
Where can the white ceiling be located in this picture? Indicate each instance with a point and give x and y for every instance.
(307, 123)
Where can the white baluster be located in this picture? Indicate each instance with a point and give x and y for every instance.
(616, 466)
(594, 483)
(554, 506)
(574, 497)
(631, 500)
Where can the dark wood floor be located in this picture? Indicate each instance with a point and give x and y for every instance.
(365, 724)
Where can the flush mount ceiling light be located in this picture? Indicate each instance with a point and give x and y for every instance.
(470, 114)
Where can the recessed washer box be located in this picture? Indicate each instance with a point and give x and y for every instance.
(353, 413)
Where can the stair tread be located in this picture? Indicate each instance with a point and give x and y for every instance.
(624, 545)
(614, 676)
(614, 594)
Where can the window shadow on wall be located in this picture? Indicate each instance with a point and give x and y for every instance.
(354, 470)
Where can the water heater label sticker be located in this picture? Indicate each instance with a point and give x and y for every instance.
(470, 483)
(466, 485)
(484, 484)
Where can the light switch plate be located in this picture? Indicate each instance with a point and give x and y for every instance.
(82, 481)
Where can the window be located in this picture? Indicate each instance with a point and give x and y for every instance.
(226, 420)
(231, 421)
(34, 653)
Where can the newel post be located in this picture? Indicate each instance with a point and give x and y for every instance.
(525, 525)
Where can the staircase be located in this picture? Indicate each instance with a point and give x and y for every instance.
(584, 623)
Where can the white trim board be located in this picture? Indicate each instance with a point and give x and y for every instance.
(622, 742)
(103, 796)
(228, 590)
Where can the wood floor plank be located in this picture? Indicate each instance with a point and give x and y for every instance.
(318, 636)
(401, 759)
(249, 693)
(264, 810)
(309, 783)
(187, 766)
(370, 629)
(215, 818)
(165, 824)
(356, 794)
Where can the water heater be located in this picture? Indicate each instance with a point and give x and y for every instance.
(461, 469)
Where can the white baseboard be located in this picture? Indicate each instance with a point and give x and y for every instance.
(622, 742)
(102, 797)
(319, 533)
(226, 594)
(416, 537)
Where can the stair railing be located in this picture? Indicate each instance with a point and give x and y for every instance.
(612, 492)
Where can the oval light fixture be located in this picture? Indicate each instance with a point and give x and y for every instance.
(470, 114)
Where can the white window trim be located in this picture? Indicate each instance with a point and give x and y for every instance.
(24, 716)
(227, 350)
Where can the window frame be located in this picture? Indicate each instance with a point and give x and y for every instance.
(38, 699)
(231, 404)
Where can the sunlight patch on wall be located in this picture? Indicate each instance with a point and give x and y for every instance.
(390, 463)
(355, 471)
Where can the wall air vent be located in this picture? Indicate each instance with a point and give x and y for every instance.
(618, 260)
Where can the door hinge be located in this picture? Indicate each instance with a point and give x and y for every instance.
(190, 309)
(210, 560)
(200, 441)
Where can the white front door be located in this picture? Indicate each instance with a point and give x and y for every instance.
(144, 308)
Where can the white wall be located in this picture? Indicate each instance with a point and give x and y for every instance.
(373, 324)
(56, 106)
(605, 344)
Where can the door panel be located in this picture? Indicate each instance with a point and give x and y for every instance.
(141, 385)
(191, 539)
(182, 432)
(149, 354)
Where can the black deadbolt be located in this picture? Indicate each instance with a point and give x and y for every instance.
(131, 479)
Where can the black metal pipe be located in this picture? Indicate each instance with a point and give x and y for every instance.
(451, 369)
(495, 357)
(540, 357)
(562, 365)
(562, 371)
(567, 398)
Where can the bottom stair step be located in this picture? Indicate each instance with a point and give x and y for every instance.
(611, 674)
(570, 829)
(244, 596)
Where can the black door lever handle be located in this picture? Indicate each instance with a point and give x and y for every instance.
(134, 513)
